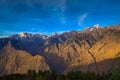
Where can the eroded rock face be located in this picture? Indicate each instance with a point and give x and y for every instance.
(85, 50)
(18, 61)
(93, 50)
(104, 52)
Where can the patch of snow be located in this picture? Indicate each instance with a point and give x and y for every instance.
(44, 37)
(23, 35)
(97, 26)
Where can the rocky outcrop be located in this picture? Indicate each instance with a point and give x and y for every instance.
(18, 61)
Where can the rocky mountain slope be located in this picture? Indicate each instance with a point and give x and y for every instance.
(103, 50)
(19, 61)
(93, 49)
(89, 47)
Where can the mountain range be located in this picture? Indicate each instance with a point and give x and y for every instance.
(94, 49)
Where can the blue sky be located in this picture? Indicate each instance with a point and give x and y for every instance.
(49, 16)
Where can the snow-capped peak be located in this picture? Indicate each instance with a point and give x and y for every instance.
(96, 26)
(44, 37)
(28, 35)
(23, 34)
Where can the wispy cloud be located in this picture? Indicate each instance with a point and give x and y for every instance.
(63, 20)
(82, 18)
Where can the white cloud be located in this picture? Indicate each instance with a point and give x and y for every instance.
(82, 18)
(62, 5)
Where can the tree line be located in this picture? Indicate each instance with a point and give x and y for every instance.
(72, 75)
